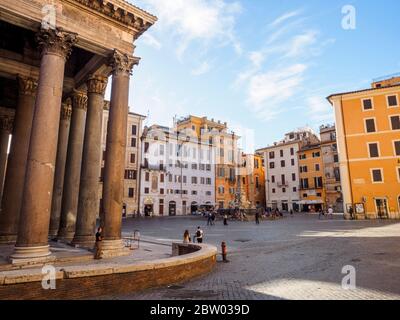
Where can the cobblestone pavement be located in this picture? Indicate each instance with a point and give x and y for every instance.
(292, 258)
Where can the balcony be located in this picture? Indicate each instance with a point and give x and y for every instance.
(282, 184)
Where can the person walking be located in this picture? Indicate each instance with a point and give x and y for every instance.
(225, 219)
(257, 217)
(209, 219)
(320, 213)
(99, 239)
(330, 212)
(186, 237)
(199, 235)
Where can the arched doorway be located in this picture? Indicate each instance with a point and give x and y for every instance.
(172, 208)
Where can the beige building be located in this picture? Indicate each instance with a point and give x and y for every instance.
(331, 168)
(132, 160)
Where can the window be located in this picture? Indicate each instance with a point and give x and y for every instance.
(303, 169)
(377, 175)
(273, 191)
(370, 125)
(397, 148)
(281, 152)
(131, 193)
(147, 177)
(133, 158)
(194, 193)
(134, 130)
(367, 104)
(162, 191)
(317, 167)
(283, 163)
(303, 156)
(272, 155)
(272, 165)
(293, 177)
(316, 154)
(208, 181)
(202, 180)
(273, 179)
(283, 179)
(162, 178)
(292, 151)
(294, 189)
(395, 121)
(318, 182)
(194, 180)
(304, 183)
(392, 101)
(319, 195)
(336, 158)
(398, 173)
(146, 147)
(373, 150)
(133, 142)
(146, 190)
(284, 190)
(305, 195)
(130, 174)
(293, 163)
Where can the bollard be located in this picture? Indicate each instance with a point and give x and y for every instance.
(224, 252)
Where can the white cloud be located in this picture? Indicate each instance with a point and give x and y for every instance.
(284, 17)
(208, 21)
(300, 43)
(151, 41)
(268, 91)
(319, 110)
(201, 69)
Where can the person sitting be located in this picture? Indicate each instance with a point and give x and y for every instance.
(186, 237)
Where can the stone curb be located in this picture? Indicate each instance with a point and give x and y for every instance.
(73, 272)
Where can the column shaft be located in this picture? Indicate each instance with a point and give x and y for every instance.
(88, 203)
(113, 186)
(4, 139)
(15, 176)
(32, 241)
(61, 160)
(69, 207)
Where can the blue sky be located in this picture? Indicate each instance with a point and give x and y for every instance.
(264, 66)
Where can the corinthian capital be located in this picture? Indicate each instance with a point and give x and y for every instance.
(79, 100)
(122, 63)
(27, 86)
(56, 41)
(97, 84)
(66, 110)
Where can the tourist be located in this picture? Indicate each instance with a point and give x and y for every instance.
(291, 213)
(321, 213)
(186, 237)
(99, 239)
(257, 217)
(209, 219)
(199, 235)
(213, 217)
(225, 219)
(330, 212)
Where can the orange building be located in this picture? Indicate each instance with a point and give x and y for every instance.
(227, 155)
(252, 180)
(312, 192)
(368, 136)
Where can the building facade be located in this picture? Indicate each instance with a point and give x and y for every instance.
(177, 173)
(312, 192)
(368, 137)
(282, 170)
(252, 177)
(132, 161)
(227, 156)
(331, 168)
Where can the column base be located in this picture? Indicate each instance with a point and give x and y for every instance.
(87, 242)
(65, 236)
(8, 239)
(31, 255)
(113, 249)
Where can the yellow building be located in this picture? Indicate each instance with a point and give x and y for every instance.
(312, 193)
(368, 136)
(227, 155)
